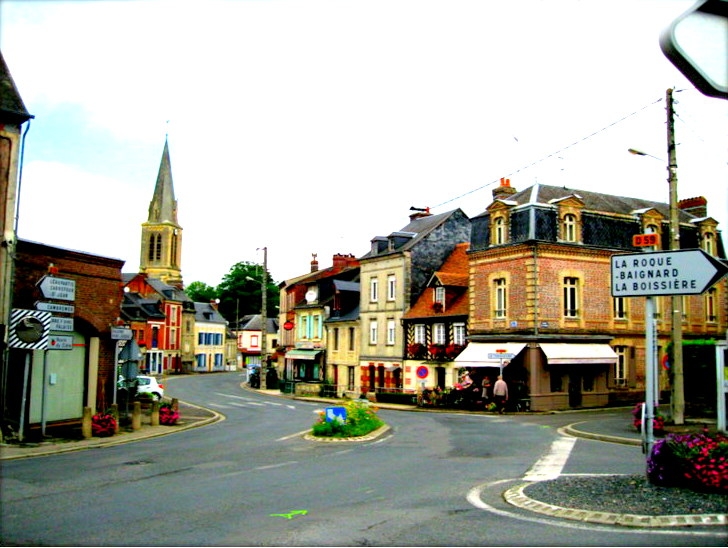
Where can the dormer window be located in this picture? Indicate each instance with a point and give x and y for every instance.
(709, 243)
(569, 228)
(440, 294)
(499, 231)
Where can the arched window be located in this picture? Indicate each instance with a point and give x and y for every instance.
(499, 231)
(569, 233)
(708, 243)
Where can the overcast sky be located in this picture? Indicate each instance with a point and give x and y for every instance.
(312, 126)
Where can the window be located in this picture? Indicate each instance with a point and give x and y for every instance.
(569, 226)
(438, 333)
(620, 308)
(571, 297)
(620, 368)
(420, 336)
(254, 341)
(652, 229)
(587, 382)
(172, 338)
(710, 309)
(336, 338)
(499, 231)
(303, 330)
(352, 339)
(316, 327)
(391, 333)
(500, 298)
(391, 287)
(351, 378)
(458, 334)
(373, 290)
(556, 378)
(708, 243)
(155, 337)
(440, 294)
(155, 248)
(373, 332)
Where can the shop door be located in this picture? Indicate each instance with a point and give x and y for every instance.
(574, 388)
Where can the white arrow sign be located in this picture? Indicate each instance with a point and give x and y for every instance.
(62, 289)
(680, 272)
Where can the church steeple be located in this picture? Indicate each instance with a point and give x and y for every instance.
(161, 249)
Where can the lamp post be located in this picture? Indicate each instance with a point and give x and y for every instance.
(678, 391)
(264, 321)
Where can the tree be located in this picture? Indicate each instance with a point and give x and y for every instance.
(240, 292)
(201, 292)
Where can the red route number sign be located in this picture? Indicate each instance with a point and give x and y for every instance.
(644, 240)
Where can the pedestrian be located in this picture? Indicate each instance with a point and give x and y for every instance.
(500, 394)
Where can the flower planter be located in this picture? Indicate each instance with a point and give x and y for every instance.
(168, 415)
(103, 425)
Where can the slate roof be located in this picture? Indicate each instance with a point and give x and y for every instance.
(253, 324)
(12, 107)
(415, 231)
(205, 312)
(549, 195)
(134, 307)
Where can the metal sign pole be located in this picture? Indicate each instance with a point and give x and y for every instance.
(647, 424)
(722, 383)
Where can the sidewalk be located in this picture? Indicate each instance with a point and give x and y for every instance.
(191, 416)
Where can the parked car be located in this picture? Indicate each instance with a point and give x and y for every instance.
(144, 385)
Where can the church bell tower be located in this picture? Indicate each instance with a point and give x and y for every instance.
(161, 249)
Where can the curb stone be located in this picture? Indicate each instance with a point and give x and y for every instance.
(516, 497)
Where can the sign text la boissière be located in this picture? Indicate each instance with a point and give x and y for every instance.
(680, 272)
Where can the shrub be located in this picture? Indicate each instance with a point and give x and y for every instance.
(396, 397)
(361, 419)
(696, 461)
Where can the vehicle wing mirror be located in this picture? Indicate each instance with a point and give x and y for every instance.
(697, 44)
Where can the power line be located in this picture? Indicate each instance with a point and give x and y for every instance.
(490, 183)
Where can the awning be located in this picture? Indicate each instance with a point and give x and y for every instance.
(565, 353)
(488, 354)
(302, 354)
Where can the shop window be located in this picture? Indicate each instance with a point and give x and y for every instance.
(556, 377)
(587, 382)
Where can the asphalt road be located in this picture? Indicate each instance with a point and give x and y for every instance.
(434, 479)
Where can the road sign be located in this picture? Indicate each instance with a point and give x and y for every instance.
(501, 355)
(680, 272)
(642, 240)
(62, 289)
(121, 333)
(336, 414)
(55, 307)
(59, 323)
(60, 342)
(29, 329)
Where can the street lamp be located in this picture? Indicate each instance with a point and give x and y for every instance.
(264, 322)
(678, 391)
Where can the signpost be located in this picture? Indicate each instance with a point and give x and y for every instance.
(501, 354)
(61, 289)
(678, 272)
(682, 272)
(336, 414)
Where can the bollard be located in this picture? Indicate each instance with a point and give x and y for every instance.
(136, 416)
(115, 413)
(86, 431)
(155, 413)
(175, 404)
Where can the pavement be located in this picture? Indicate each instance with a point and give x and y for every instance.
(610, 429)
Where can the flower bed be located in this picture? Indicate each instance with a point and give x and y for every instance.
(658, 421)
(167, 414)
(361, 419)
(696, 461)
(103, 425)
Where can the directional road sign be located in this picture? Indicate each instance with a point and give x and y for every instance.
(501, 355)
(62, 289)
(680, 272)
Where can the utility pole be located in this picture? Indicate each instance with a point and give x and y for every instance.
(264, 322)
(678, 392)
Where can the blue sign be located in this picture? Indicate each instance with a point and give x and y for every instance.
(336, 414)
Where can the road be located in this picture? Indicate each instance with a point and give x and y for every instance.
(251, 480)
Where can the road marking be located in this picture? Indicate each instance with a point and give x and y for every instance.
(552, 463)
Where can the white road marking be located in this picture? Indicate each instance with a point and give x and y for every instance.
(552, 463)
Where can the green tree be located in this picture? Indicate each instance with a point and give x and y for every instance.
(201, 292)
(240, 292)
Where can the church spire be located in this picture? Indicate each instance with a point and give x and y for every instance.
(163, 207)
(161, 249)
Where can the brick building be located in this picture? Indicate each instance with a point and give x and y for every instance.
(77, 369)
(540, 289)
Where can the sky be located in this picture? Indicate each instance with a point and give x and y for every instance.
(312, 126)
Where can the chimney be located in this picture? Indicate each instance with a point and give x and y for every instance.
(697, 206)
(504, 190)
(314, 263)
(344, 261)
(419, 212)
